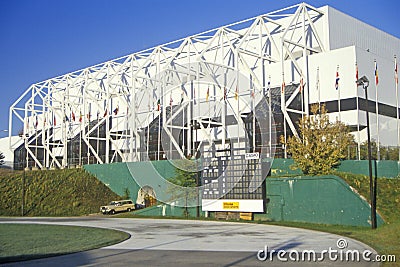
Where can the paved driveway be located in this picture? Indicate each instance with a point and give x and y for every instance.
(201, 243)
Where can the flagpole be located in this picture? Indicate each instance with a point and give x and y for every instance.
(171, 127)
(253, 91)
(301, 94)
(358, 119)
(159, 107)
(36, 141)
(283, 105)
(270, 115)
(80, 144)
(196, 113)
(397, 116)
(237, 99)
(396, 79)
(358, 131)
(377, 111)
(318, 89)
(338, 89)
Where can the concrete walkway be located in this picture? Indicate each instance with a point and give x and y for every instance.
(198, 243)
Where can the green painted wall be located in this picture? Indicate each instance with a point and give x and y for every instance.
(385, 168)
(153, 174)
(116, 176)
(134, 175)
(282, 167)
(322, 199)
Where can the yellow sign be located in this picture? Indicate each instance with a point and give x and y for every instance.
(230, 205)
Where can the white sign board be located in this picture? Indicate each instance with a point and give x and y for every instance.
(254, 155)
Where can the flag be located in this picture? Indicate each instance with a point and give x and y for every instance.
(252, 93)
(337, 79)
(170, 99)
(301, 85)
(88, 116)
(224, 93)
(158, 105)
(54, 120)
(208, 94)
(376, 73)
(36, 123)
(182, 96)
(356, 72)
(73, 115)
(236, 93)
(283, 87)
(80, 116)
(396, 76)
(44, 121)
(116, 110)
(66, 118)
(105, 113)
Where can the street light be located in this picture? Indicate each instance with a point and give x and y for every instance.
(364, 82)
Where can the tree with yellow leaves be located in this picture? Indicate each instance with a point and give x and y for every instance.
(320, 145)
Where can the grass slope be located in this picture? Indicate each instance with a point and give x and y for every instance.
(68, 192)
(40, 241)
(388, 194)
(385, 239)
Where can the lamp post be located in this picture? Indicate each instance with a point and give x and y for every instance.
(364, 82)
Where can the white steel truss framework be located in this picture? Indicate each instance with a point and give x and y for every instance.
(110, 107)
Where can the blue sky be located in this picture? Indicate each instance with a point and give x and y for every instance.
(40, 39)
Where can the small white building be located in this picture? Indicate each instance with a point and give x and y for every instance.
(7, 152)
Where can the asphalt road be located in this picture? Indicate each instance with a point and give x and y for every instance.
(203, 243)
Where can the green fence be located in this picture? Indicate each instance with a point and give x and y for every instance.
(168, 210)
(384, 168)
(380, 168)
(322, 199)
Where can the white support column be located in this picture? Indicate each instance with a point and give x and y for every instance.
(133, 134)
(188, 127)
(283, 100)
(64, 130)
(107, 85)
(224, 104)
(305, 74)
(163, 106)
